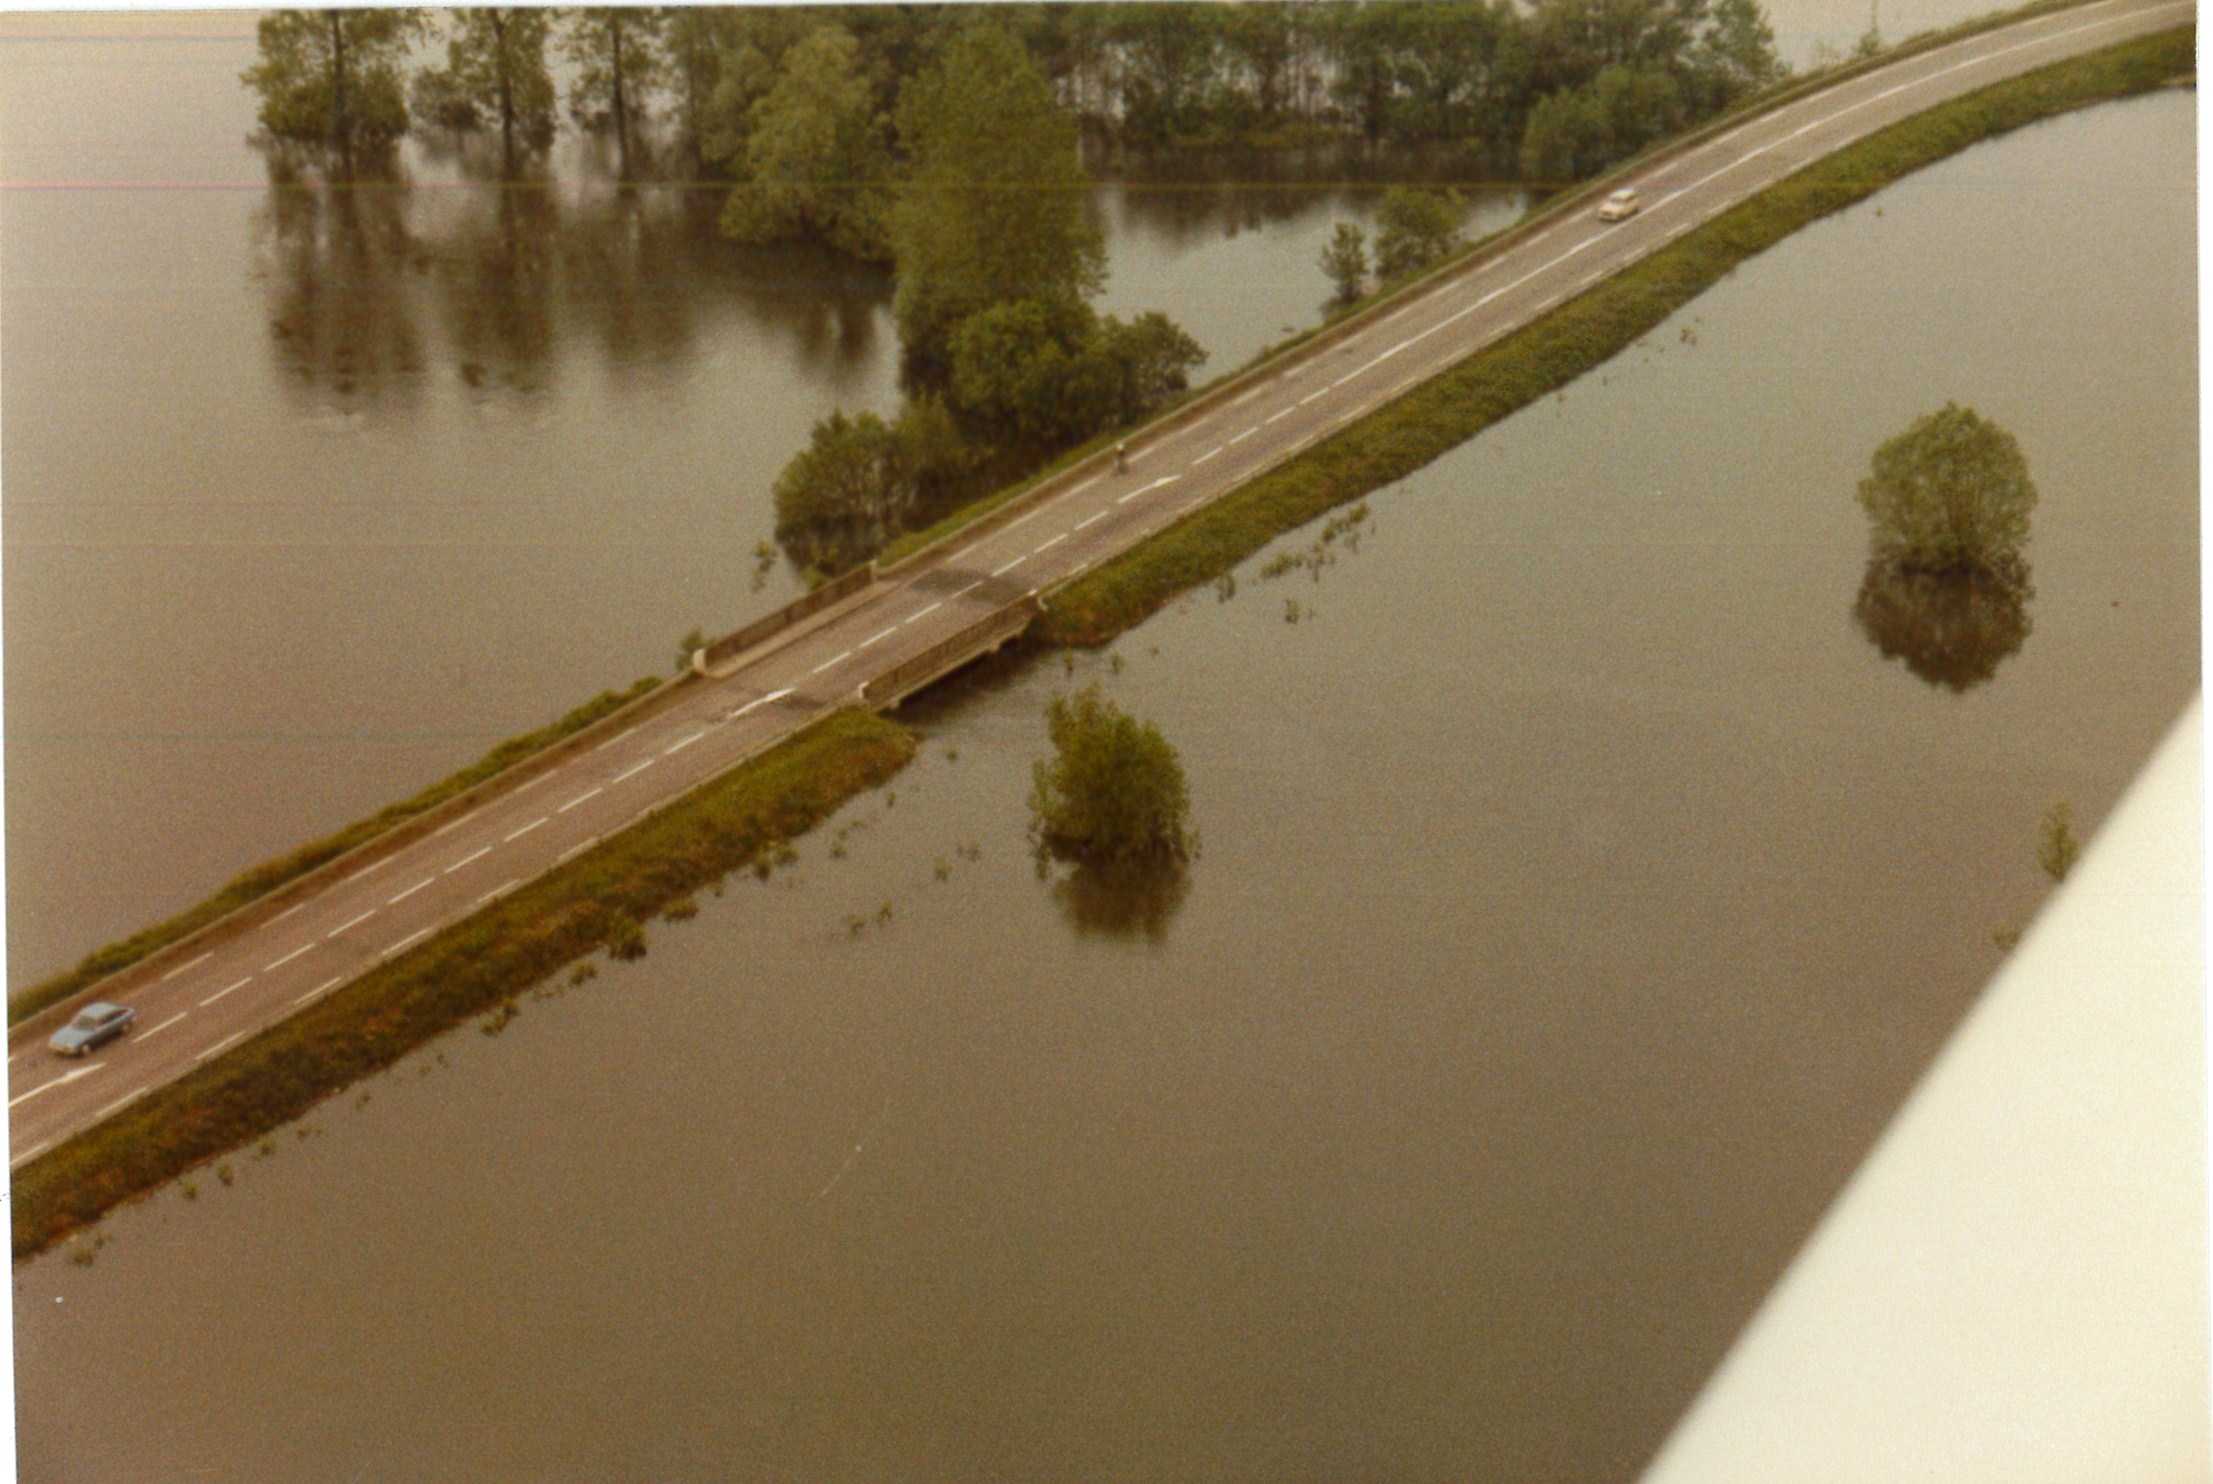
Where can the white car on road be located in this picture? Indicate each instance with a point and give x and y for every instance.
(1621, 205)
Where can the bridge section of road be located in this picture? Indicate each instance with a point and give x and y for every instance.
(896, 631)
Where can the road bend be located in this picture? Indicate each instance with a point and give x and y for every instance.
(245, 982)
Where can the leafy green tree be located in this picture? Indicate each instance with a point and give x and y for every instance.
(1415, 228)
(1114, 788)
(858, 480)
(1735, 55)
(991, 209)
(619, 64)
(331, 79)
(1147, 364)
(815, 157)
(1345, 260)
(1950, 494)
(695, 42)
(495, 68)
(1040, 374)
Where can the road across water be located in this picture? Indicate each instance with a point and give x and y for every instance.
(194, 1011)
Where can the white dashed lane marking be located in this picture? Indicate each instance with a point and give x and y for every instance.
(1210, 453)
(683, 742)
(876, 638)
(1241, 437)
(473, 856)
(633, 770)
(157, 1030)
(63, 1079)
(834, 659)
(1018, 561)
(403, 896)
(591, 793)
(1087, 520)
(922, 613)
(364, 917)
(526, 829)
(211, 999)
(1048, 546)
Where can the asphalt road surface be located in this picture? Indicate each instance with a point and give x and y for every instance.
(252, 979)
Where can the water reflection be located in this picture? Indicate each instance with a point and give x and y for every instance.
(340, 312)
(1126, 900)
(1952, 629)
(496, 277)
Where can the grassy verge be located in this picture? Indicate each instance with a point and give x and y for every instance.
(270, 875)
(600, 900)
(1582, 334)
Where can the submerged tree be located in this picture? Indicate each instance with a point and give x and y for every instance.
(991, 209)
(816, 154)
(619, 63)
(496, 69)
(1113, 790)
(858, 478)
(1345, 260)
(331, 79)
(1949, 494)
(1415, 228)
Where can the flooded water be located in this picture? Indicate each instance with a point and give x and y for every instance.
(1582, 887)
(313, 497)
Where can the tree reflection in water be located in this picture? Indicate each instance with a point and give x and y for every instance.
(1950, 628)
(498, 277)
(1126, 900)
(340, 253)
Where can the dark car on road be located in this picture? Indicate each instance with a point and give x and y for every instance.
(95, 1025)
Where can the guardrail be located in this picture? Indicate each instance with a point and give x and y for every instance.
(768, 625)
(978, 639)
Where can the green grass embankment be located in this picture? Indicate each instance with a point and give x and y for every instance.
(600, 900)
(1446, 411)
(270, 875)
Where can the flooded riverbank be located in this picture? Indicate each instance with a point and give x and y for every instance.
(1581, 889)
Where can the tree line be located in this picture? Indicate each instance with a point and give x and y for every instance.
(948, 140)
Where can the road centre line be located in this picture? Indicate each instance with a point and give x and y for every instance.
(526, 829)
(921, 613)
(1018, 561)
(834, 659)
(410, 940)
(364, 917)
(403, 896)
(221, 1045)
(1048, 546)
(1202, 458)
(181, 968)
(577, 849)
(633, 770)
(683, 742)
(1315, 396)
(318, 989)
(1095, 516)
(872, 638)
(280, 963)
(477, 856)
(1241, 437)
(157, 1030)
(1280, 416)
(593, 792)
(211, 999)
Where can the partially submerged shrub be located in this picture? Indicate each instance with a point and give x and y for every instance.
(1950, 494)
(1114, 788)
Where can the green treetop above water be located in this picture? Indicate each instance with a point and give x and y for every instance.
(991, 209)
(1114, 790)
(1951, 494)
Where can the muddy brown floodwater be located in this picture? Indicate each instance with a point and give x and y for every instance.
(1582, 889)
